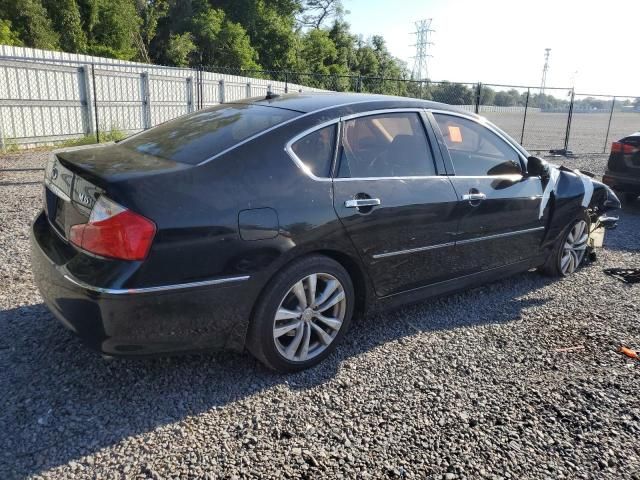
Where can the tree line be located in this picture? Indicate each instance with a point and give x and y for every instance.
(308, 39)
(293, 35)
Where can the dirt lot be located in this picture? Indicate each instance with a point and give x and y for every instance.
(544, 131)
(475, 385)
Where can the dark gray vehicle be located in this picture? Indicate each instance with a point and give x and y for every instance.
(623, 168)
(266, 223)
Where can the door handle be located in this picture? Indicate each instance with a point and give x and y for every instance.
(474, 197)
(362, 202)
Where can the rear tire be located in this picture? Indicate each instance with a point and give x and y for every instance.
(302, 315)
(569, 251)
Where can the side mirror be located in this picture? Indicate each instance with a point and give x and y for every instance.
(536, 167)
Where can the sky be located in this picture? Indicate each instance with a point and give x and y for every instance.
(594, 45)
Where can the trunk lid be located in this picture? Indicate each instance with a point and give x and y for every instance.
(76, 177)
(104, 164)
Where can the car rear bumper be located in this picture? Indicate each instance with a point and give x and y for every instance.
(151, 320)
(622, 183)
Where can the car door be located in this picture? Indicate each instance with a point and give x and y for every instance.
(396, 207)
(498, 205)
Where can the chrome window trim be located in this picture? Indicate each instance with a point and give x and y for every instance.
(340, 121)
(369, 113)
(286, 122)
(161, 288)
(457, 242)
(482, 122)
(516, 176)
(301, 165)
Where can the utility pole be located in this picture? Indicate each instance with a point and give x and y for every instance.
(545, 69)
(423, 33)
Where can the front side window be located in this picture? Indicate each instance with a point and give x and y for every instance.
(475, 150)
(385, 145)
(315, 150)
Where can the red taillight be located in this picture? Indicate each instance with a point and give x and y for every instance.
(619, 147)
(115, 232)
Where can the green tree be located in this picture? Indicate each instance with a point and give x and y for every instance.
(66, 19)
(270, 25)
(180, 48)
(31, 22)
(88, 16)
(318, 52)
(114, 33)
(503, 99)
(453, 93)
(316, 12)
(345, 43)
(150, 12)
(7, 35)
(222, 42)
(487, 95)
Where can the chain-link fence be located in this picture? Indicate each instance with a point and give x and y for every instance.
(45, 101)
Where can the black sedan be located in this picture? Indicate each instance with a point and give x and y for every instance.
(623, 168)
(268, 223)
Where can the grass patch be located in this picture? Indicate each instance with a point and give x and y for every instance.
(11, 146)
(111, 136)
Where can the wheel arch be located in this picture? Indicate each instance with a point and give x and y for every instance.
(361, 285)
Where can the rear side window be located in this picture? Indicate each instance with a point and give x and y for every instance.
(385, 145)
(195, 137)
(315, 150)
(475, 150)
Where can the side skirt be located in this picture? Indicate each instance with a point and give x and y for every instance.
(456, 284)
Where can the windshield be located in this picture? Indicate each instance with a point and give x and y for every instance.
(198, 136)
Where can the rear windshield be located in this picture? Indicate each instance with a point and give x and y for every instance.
(195, 137)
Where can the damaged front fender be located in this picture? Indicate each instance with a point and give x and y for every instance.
(569, 195)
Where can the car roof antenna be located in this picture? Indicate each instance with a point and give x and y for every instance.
(270, 94)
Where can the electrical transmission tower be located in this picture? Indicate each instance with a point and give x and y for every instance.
(423, 33)
(545, 69)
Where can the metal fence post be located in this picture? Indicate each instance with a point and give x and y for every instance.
(146, 101)
(568, 132)
(221, 90)
(200, 87)
(606, 138)
(189, 94)
(85, 100)
(359, 83)
(95, 101)
(524, 120)
(286, 82)
(247, 92)
(478, 93)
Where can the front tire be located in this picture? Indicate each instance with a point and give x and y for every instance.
(569, 251)
(302, 315)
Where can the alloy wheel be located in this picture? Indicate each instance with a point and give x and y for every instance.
(574, 248)
(309, 317)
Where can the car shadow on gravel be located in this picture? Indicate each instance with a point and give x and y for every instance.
(624, 237)
(61, 401)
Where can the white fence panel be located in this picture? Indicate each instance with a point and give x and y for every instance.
(118, 97)
(169, 98)
(48, 97)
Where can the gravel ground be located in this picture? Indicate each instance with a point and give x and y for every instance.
(469, 386)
